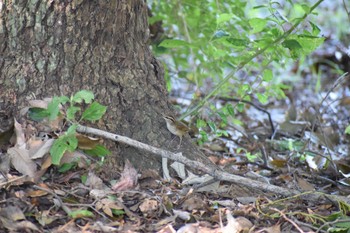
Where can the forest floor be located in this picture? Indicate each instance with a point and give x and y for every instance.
(306, 150)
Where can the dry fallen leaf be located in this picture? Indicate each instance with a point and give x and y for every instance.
(107, 205)
(148, 206)
(39, 148)
(20, 138)
(86, 142)
(236, 225)
(128, 179)
(272, 229)
(21, 161)
(94, 182)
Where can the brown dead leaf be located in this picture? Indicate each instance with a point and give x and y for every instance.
(279, 163)
(107, 205)
(128, 179)
(39, 192)
(94, 182)
(305, 185)
(4, 164)
(149, 179)
(149, 206)
(272, 229)
(39, 103)
(47, 163)
(195, 202)
(44, 218)
(184, 215)
(75, 156)
(236, 225)
(221, 161)
(21, 162)
(20, 138)
(167, 229)
(39, 148)
(86, 142)
(198, 227)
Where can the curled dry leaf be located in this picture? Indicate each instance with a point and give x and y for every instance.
(86, 142)
(39, 148)
(236, 225)
(184, 215)
(20, 138)
(75, 156)
(107, 205)
(39, 103)
(149, 206)
(128, 179)
(21, 161)
(94, 181)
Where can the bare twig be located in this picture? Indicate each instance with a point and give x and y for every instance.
(289, 220)
(212, 170)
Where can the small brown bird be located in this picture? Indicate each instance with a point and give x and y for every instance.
(176, 127)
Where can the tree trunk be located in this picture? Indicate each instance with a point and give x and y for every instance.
(60, 47)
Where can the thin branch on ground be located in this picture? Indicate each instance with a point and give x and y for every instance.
(210, 169)
(288, 220)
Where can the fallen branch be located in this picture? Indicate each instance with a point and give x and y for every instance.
(213, 170)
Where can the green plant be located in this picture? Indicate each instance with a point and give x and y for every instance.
(234, 45)
(66, 109)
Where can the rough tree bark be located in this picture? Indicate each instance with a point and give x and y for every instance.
(59, 47)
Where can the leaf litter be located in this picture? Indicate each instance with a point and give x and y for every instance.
(305, 153)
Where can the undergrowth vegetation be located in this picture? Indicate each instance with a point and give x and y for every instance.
(232, 49)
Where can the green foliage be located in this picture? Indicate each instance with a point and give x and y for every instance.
(68, 141)
(81, 214)
(212, 40)
(347, 130)
(99, 151)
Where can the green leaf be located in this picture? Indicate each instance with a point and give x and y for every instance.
(223, 18)
(262, 98)
(212, 126)
(347, 130)
(61, 145)
(223, 117)
(83, 95)
(240, 107)
(204, 136)
(291, 44)
(71, 131)
(201, 123)
(169, 43)
(83, 178)
(309, 43)
(94, 112)
(38, 114)
(257, 24)
(98, 150)
(118, 212)
(315, 29)
(251, 157)
(71, 111)
(53, 108)
(230, 109)
(80, 214)
(237, 42)
(267, 75)
(66, 167)
(306, 8)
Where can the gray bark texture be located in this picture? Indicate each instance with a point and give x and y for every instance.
(59, 47)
